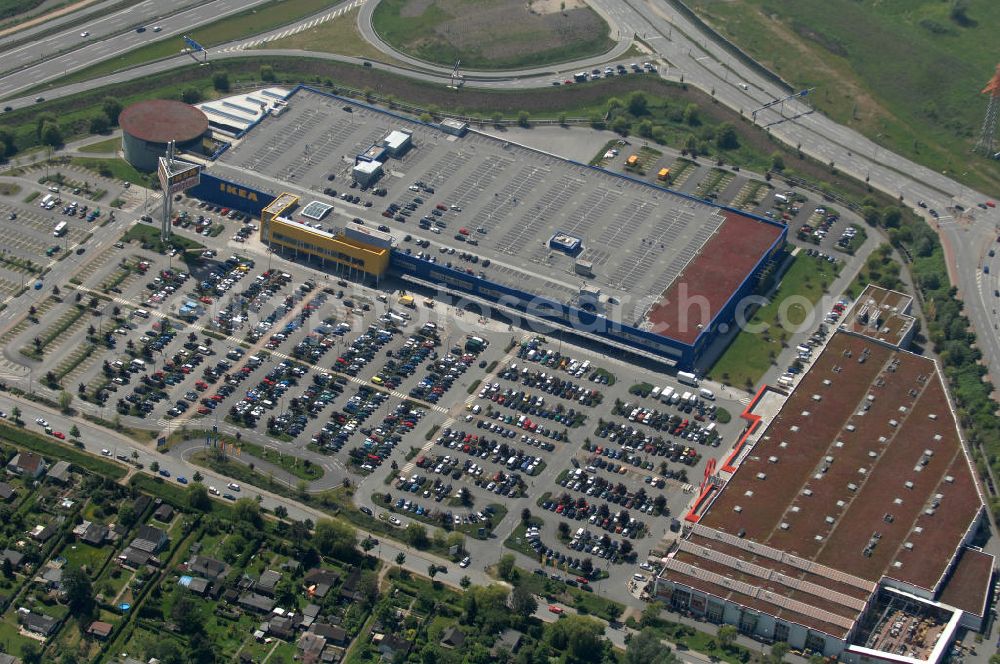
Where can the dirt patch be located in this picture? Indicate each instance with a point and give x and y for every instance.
(554, 6)
(415, 8)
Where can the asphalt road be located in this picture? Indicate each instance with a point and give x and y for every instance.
(67, 51)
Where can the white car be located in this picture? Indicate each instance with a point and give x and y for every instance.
(212, 490)
(156, 28)
(394, 521)
(42, 423)
(84, 34)
(106, 452)
(233, 486)
(465, 562)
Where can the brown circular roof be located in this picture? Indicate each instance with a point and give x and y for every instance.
(163, 120)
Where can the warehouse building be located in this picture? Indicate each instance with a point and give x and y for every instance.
(846, 525)
(545, 233)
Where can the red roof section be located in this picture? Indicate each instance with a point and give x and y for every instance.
(163, 120)
(698, 294)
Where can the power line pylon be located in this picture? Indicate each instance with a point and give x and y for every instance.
(987, 135)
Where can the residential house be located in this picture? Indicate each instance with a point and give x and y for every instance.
(27, 464)
(311, 646)
(100, 630)
(318, 582)
(334, 634)
(50, 576)
(134, 558)
(309, 615)
(256, 602)
(164, 513)
(268, 582)
(37, 623)
(16, 558)
(210, 568)
(60, 472)
(282, 627)
(7, 492)
(42, 533)
(510, 640)
(452, 638)
(9, 659)
(390, 644)
(141, 504)
(150, 539)
(349, 591)
(195, 584)
(94, 534)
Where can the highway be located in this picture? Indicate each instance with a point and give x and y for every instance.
(62, 53)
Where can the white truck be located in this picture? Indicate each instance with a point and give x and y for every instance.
(687, 378)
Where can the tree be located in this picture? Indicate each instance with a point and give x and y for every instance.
(197, 497)
(112, 108)
(281, 512)
(464, 582)
(651, 614)
(523, 119)
(579, 636)
(248, 511)
(638, 103)
(166, 651)
(400, 558)
(220, 81)
(777, 162)
(416, 536)
(522, 602)
(126, 514)
(778, 651)
(99, 124)
(197, 477)
(692, 115)
(8, 142)
(432, 570)
(646, 648)
(79, 592)
(525, 516)
(333, 538)
(727, 636)
(7, 568)
(31, 654)
(368, 544)
(191, 96)
(726, 137)
(505, 567)
(267, 73)
(16, 414)
(65, 399)
(74, 431)
(51, 134)
(155, 466)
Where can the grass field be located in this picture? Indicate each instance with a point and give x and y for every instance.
(906, 73)
(339, 36)
(501, 34)
(115, 168)
(108, 145)
(750, 354)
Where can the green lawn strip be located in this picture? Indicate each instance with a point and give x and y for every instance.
(51, 447)
(301, 468)
(149, 237)
(751, 354)
(140, 435)
(173, 493)
(584, 602)
(116, 168)
(107, 145)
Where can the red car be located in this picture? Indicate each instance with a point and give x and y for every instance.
(59, 434)
(204, 411)
(555, 609)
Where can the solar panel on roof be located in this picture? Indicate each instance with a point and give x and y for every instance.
(316, 210)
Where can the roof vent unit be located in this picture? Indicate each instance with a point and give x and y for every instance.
(794, 428)
(748, 493)
(806, 413)
(872, 454)
(850, 427)
(817, 397)
(818, 538)
(937, 438)
(783, 444)
(807, 492)
(871, 397)
(908, 484)
(737, 509)
(897, 501)
(903, 409)
(852, 487)
(772, 459)
(841, 503)
(796, 509)
(893, 423)
(741, 533)
(830, 519)
(862, 471)
(897, 564)
(762, 476)
(929, 453)
(839, 443)
(827, 382)
(908, 546)
(932, 416)
(784, 525)
(918, 529)
(829, 459)
(949, 479)
(929, 511)
(882, 439)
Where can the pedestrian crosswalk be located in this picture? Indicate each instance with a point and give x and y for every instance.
(427, 447)
(294, 30)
